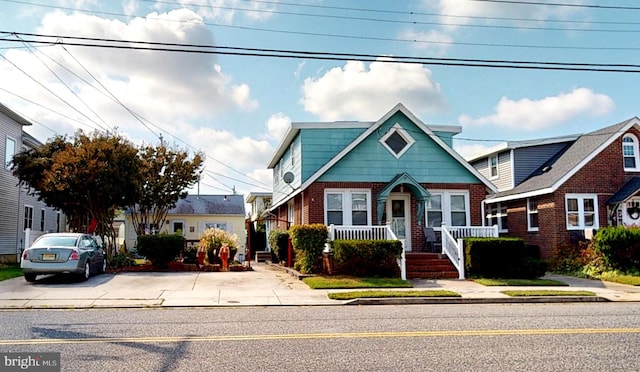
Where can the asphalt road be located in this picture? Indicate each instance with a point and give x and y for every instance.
(514, 337)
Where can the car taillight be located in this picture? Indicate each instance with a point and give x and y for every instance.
(25, 255)
(74, 256)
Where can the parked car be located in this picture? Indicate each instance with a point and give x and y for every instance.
(63, 253)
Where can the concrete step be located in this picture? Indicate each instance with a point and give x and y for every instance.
(263, 256)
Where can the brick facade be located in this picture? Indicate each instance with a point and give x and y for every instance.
(309, 205)
(604, 176)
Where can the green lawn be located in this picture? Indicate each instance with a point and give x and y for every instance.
(620, 278)
(8, 271)
(391, 293)
(343, 281)
(547, 292)
(519, 282)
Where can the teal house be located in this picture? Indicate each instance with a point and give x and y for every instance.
(396, 171)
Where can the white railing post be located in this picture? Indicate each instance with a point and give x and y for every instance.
(460, 247)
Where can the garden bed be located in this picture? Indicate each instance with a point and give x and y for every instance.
(177, 267)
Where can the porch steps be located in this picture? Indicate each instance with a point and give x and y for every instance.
(262, 256)
(422, 265)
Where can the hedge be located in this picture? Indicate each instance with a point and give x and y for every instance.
(160, 249)
(308, 243)
(502, 258)
(367, 258)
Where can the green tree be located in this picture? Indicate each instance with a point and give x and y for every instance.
(91, 177)
(165, 176)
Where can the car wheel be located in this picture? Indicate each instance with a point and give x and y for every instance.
(86, 273)
(103, 267)
(30, 277)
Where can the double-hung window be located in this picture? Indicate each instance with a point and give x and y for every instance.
(497, 215)
(493, 166)
(582, 211)
(630, 152)
(28, 217)
(9, 151)
(532, 214)
(347, 207)
(448, 207)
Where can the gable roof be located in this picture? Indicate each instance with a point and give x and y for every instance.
(563, 166)
(210, 205)
(10, 113)
(628, 190)
(374, 127)
(512, 145)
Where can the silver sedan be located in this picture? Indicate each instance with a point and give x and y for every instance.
(63, 253)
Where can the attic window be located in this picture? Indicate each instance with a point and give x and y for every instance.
(397, 140)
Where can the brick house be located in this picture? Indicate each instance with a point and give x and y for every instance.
(395, 171)
(558, 190)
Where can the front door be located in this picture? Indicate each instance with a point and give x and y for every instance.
(399, 210)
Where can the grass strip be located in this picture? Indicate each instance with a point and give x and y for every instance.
(622, 279)
(390, 294)
(548, 292)
(10, 271)
(346, 282)
(520, 282)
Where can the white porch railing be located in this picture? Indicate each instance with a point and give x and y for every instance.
(453, 245)
(369, 233)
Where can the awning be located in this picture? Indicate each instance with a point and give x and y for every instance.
(416, 189)
(626, 192)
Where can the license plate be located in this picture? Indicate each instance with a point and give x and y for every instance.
(48, 256)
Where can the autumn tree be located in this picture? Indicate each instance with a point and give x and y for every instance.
(88, 178)
(165, 175)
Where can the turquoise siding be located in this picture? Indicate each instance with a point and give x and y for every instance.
(321, 145)
(425, 161)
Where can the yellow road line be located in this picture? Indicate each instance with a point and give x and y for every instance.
(489, 332)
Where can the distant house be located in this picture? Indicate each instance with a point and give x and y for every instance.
(20, 211)
(558, 190)
(195, 213)
(395, 171)
(260, 221)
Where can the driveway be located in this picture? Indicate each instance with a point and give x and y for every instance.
(265, 285)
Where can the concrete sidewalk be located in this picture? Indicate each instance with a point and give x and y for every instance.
(266, 285)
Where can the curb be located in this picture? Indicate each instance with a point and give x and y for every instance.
(452, 300)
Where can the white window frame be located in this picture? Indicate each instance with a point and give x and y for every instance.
(581, 212)
(291, 213)
(493, 166)
(347, 204)
(530, 213)
(43, 214)
(498, 212)
(222, 225)
(28, 222)
(446, 206)
(8, 154)
(397, 128)
(636, 154)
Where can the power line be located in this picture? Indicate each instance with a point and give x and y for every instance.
(283, 53)
(382, 38)
(570, 5)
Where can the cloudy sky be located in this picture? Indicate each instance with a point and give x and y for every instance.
(235, 108)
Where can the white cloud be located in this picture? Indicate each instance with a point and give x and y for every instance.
(467, 150)
(227, 11)
(532, 115)
(160, 86)
(455, 12)
(355, 92)
(277, 126)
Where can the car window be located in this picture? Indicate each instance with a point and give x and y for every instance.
(55, 241)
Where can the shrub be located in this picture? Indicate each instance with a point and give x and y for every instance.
(620, 247)
(502, 258)
(120, 260)
(308, 243)
(160, 249)
(190, 255)
(213, 238)
(367, 258)
(279, 243)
